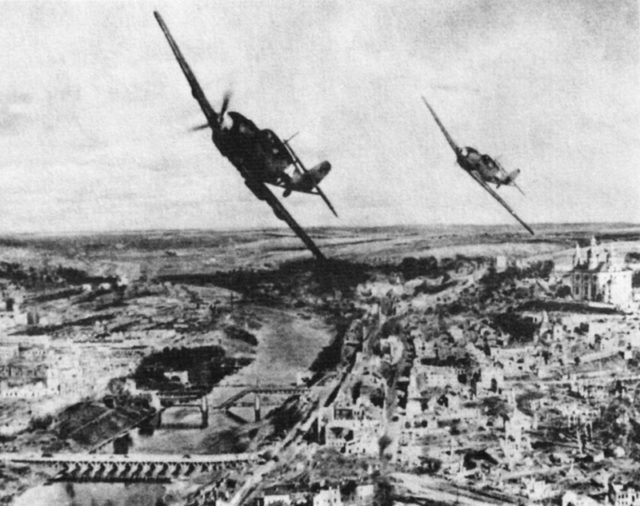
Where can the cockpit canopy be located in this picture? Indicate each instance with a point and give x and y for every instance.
(272, 143)
(490, 162)
(262, 146)
(242, 125)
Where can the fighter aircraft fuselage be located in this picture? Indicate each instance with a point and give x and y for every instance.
(482, 168)
(261, 156)
(258, 153)
(489, 170)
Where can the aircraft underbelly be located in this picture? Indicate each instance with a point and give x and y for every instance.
(250, 162)
(486, 173)
(476, 167)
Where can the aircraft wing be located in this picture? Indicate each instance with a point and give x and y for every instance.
(450, 140)
(264, 193)
(196, 90)
(495, 195)
(257, 187)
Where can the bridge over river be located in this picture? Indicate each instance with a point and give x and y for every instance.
(132, 467)
(265, 390)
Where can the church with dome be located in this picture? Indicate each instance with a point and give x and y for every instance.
(599, 276)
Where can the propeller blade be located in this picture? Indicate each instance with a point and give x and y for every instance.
(225, 104)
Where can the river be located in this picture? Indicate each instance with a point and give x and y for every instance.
(287, 345)
(94, 494)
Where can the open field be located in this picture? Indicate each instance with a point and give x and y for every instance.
(199, 251)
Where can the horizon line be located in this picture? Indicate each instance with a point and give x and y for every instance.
(127, 231)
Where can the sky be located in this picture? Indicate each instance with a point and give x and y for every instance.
(95, 113)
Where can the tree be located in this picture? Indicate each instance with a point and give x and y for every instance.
(383, 443)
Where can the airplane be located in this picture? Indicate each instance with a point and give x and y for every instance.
(259, 155)
(483, 169)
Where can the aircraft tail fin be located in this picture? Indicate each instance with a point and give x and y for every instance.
(307, 181)
(512, 176)
(320, 171)
(511, 180)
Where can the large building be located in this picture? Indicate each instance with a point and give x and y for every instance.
(599, 276)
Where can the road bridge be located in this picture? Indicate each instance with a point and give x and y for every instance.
(270, 390)
(258, 391)
(132, 467)
(170, 399)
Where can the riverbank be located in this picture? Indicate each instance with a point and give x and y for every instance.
(287, 345)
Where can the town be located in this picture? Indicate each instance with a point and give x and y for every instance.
(320, 253)
(478, 379)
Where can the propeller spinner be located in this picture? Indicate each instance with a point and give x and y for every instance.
(226, 98)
